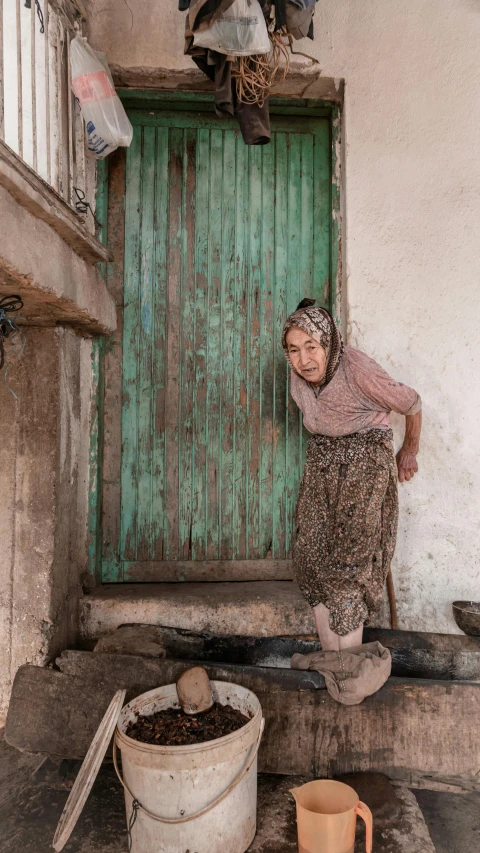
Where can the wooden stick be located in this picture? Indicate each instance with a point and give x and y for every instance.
(392, 601)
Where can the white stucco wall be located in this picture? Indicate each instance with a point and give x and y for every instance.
(412, 247)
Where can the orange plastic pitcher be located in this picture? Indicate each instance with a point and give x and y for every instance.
(327, 815)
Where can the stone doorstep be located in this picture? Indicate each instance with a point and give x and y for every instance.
(253, 608)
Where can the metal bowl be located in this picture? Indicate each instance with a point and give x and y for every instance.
(467, 616)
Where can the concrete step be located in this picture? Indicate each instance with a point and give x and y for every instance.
(254, 608)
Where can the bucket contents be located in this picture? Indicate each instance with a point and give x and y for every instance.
(173, 727)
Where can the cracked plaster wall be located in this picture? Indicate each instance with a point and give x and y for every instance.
(412, 248)
(43, 483)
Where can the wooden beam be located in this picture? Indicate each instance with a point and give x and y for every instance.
(194, 571)
(447, 657)
(410, 730)
(58, 713)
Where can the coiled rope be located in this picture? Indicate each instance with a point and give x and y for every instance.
(255, 75)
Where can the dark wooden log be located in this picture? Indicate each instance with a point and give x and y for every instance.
(418, 655)
(410, 730)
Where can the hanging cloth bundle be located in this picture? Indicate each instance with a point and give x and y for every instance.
(244, 46)
(239, 31)
(8, 305)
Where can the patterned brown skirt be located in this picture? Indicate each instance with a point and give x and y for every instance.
(346, 525)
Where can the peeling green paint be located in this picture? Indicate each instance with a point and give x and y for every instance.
(143, 103)
(96, 416)
(93, 491)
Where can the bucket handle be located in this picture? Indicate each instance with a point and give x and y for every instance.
(203, 811)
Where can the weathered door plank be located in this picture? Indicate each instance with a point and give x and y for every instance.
(199, 514)
(219, 185)
(254, 261)
(281, 306)
(145, 354)
(186, 436)
(228, 337)
(174, 278)
(267, 353)
(242, 343)
(159, 367)
(129, 474)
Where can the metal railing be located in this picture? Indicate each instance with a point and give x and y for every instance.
(39, 118)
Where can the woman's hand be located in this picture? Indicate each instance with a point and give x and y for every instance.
(407, 464)
(407, 455)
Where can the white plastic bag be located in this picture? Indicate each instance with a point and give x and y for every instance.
(106, 121)
(240, 31)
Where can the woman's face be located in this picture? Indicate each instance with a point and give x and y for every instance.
(307, 357)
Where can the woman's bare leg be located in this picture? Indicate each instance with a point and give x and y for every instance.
(329, 640)
(354, 638)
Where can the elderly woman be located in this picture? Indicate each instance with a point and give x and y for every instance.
(347, 509)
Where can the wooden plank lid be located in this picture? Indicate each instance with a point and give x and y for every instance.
(88, 772)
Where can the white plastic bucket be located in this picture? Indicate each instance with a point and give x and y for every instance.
(173, 784)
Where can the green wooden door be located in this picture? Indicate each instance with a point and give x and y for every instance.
(221, 243)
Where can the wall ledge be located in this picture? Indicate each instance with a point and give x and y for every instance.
(57, 286)
(29, 190)
(304, 80)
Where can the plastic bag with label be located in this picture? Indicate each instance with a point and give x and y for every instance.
(240, 31)
(106, 121)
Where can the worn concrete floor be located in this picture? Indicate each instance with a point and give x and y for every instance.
(453, 820)
(31, 801)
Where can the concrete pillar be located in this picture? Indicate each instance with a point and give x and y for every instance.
(43, 497)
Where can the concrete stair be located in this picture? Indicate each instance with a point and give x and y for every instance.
(258, 608)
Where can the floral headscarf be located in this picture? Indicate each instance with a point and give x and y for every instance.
(318, 323)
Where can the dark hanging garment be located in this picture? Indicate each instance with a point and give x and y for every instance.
(219, 70)
(280, 14)
(254, 120)
(224, 104)
(254, 123)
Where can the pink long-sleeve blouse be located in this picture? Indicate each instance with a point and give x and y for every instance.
(359, 397)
